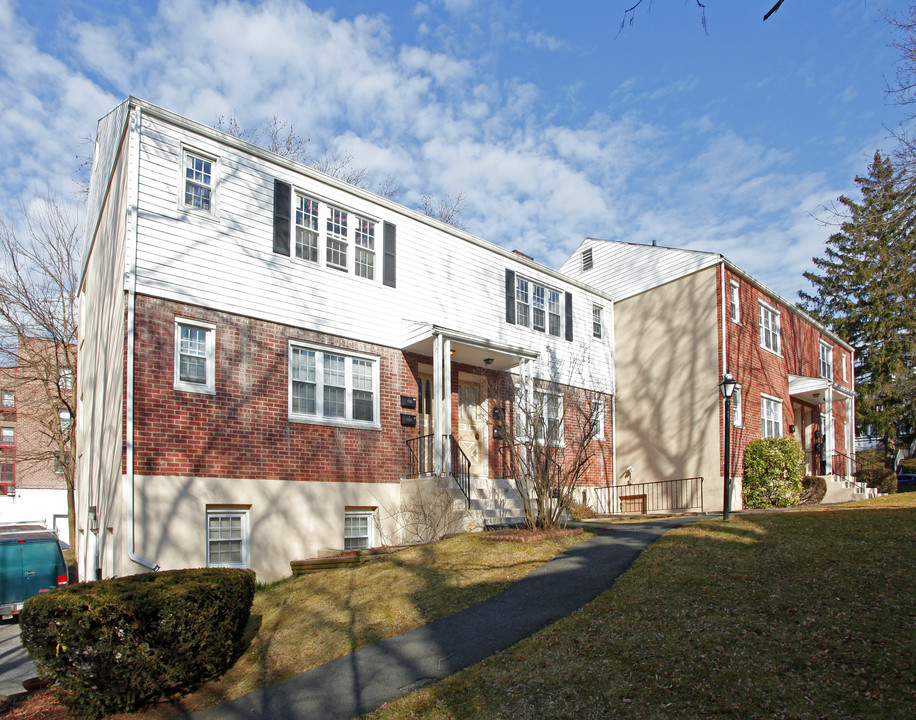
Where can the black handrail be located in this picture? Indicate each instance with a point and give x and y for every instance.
(461, 469)
(839, 457)
(682, 495)
(421, 461)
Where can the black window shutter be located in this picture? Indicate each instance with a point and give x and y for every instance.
(389, 272)
(569, 316)
(282, 204)
(510, 296)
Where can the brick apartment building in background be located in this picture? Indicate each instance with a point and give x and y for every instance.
(32, 481)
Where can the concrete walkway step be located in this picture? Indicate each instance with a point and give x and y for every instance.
(360, 682)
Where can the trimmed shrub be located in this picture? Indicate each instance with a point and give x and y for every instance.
(773, 472)
(879, 477)
(814, 487)
(115, 645)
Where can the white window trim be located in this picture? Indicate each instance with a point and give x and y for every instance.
(372, 532)
(598, 409)
(182, 385)
(229, 511)
(318, 418)
(763, 419)
(530, 306)
(213, 212)
(737, 411)
(597, 322)
(12, 435)
(778, 331)
(734, 302)
(845, 372)
(822, 346)
(353, 216)
(521, 415)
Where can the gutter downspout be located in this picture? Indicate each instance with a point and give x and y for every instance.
(131, 302)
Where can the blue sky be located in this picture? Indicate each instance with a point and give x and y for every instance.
(555, 125)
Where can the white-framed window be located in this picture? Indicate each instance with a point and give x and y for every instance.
(7, 400)
(359, 529)
(769, 328)
(65, 378)
(826, 358)
(737, 410)
(364, 250)
(337, 238)
(7, 437)
(306, 228)
(537, 307)
(227, 537)
(770, 417)
(845, 378)
(597, 321)
(539, 414)
(597, 410)
(735, 305)
(198, 181)
(64, 416)
(333, 388)
(195, 356)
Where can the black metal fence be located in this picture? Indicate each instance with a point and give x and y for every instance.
(421, 461)
(682, 495)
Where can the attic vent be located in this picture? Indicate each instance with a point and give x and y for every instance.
(587, 263)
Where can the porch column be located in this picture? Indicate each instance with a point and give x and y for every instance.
(850, 436)
(829, 440)
(437, 404)
(445, 438)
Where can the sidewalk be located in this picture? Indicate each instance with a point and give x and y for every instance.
(375, 674)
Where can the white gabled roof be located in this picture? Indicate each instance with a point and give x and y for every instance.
(624, 269)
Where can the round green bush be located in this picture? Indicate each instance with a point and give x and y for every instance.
(773, 472)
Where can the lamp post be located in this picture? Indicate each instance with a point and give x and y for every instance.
(727, 386)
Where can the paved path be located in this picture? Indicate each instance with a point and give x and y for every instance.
(360, 682)
(15, 663)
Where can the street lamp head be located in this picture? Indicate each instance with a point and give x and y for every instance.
(727, 386)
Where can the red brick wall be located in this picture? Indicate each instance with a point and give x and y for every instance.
(243, 430)
(758, 370)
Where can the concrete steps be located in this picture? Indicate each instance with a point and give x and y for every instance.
(842, 489)
(495, 502)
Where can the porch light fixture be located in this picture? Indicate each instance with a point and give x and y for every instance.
(488, 361)
(727, 386)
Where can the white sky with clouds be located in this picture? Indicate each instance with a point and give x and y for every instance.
(556, 126)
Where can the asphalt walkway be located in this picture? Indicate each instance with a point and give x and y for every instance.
(375, 674)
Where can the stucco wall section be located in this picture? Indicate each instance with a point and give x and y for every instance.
(667, 374)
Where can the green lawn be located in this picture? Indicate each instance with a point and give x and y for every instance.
(801, 614)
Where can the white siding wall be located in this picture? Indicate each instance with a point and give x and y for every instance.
(227, 263)
(625, 269)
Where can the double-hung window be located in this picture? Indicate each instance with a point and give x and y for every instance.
(195, 363)
(597, 419)
(8, 478)
(337, 238)
(199, 181)
(537, 307)
(539, 416)
(770, 417)
(735, 302)
(737, 410)
(306, 228)
(364, 251)
(769, 328)
(227, 538)
(826, 358)
(7, 437)
(359, 529)
(8, 400)
(329, 387)
(597, 321)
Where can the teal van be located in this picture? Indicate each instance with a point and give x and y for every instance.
(31, 562)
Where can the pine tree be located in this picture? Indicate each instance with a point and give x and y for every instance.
(865, 290)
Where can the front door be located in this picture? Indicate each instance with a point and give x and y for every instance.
(472, 423)
(425, 424)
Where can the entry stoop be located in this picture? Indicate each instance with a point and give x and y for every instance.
(845, 489)
(494, 503)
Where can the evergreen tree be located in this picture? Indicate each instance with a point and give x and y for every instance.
(865, 290)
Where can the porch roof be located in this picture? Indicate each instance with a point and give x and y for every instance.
(813, 389)
(468, 349)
